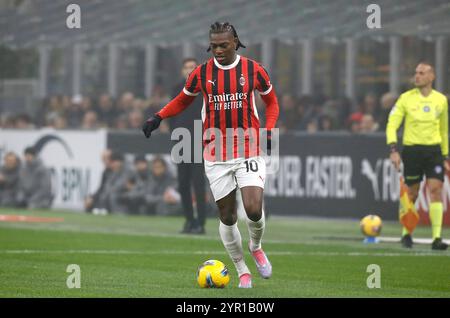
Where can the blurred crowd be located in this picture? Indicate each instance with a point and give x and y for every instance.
(143, 187)
(139, 187)
(25, 182)
(314, 114)
(83, 112)
(310, 114)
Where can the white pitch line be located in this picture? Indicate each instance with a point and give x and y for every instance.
(209, 237)
(415, 240)
(165, 235)
(280, 253)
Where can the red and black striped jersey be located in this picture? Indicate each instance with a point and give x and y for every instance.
(229, 95)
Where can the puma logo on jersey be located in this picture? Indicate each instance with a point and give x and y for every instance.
(212, 82)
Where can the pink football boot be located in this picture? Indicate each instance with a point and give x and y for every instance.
(245, 281)
(262, 263)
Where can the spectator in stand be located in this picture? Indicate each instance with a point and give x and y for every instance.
(121, 122)
(9, 180)
(90, 121)
(139, 104)
(325, 123)
(387, 101)
(125, 104)
(97, 200)
(55, 121)
(370, 105)
(345, 107)
(35, 189)
(55, 105)
(164, 128)
(368, 124)
(288, 113)
(116, 185)
(23, 121)
(73, 113)
(354, 122)
(66, 101)
(105, 110)
(161, 196)
(136, 187)
(135, 119)
(332, 114)
(86, 105)
(7, 121)
(312, 126)
(312, 112)
(158, 99)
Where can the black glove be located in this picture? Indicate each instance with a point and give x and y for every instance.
(269, 142)
(151, 124)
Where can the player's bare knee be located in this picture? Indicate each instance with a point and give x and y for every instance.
(228, 219)
(255, 217)
(227, 215)
(254, 211)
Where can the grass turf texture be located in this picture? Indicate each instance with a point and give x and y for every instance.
(124, 256)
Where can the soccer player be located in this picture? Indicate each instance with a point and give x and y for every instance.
(425, 145)
(228, 82)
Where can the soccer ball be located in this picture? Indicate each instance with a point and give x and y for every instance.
(213, 274)
(371, 225)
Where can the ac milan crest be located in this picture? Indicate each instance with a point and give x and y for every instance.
(242, 80)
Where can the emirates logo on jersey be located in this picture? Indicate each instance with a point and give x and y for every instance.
(227, 101)
(226, 97)
(242, 80)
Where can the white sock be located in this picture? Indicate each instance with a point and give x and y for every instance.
(231, 239)
(256, 231)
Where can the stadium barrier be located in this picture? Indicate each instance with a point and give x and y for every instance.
(329, 175)
(74, 158)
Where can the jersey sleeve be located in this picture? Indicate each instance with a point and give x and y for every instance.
(396, 117)
(263, 84)
(444, 129)
(192, 86)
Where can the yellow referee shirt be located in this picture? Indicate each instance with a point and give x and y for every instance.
(426, 119)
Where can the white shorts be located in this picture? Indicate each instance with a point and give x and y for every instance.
(225, 176)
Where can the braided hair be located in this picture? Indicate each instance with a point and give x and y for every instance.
(221, 27)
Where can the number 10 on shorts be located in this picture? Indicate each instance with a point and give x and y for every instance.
(251, 165)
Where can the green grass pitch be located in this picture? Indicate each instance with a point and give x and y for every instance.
(126, 256)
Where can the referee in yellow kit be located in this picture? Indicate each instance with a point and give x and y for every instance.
(425, 145)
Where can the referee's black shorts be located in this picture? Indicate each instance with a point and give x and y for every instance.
(422, 160)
